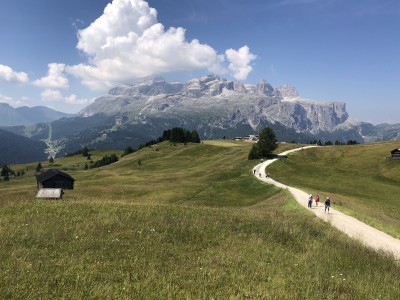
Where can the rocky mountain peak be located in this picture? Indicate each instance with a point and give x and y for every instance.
(212, 98)
(149, 86)
(288, 91)
(264, 88)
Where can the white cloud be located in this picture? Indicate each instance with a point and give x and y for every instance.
(14, 102)
(73, 99)
(55, 78)
(8, 75)
(126, 42)
(50, 95)
(239, 62)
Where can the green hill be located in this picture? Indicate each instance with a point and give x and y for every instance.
(177, 222)
(358, 178)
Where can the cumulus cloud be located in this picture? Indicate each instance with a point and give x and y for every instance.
(55, 78)
(239, 62)
(73, 99)
(8, 75)
(127, 42)
(50, 95)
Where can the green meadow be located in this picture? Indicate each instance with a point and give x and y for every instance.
(359, 179)
(181, 222)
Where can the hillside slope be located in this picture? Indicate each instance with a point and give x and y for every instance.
(18, 149)
(177, 222)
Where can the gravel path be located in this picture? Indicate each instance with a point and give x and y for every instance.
(368, 235)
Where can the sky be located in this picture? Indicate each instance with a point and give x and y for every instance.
(64, 54)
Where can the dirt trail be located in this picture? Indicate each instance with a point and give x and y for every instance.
(368, 235)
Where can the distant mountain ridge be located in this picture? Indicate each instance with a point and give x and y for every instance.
(133, 114)
(24, 115)
(227, 103)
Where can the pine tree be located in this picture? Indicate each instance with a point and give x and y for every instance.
(265, 145)
(39, 167)
(195, 138)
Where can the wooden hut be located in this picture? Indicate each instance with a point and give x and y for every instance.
(395, 153)
(53, 178)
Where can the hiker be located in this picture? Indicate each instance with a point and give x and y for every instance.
(310, 198)
(267, 175)
(327, 204)
(259, 175)
(254, 171)
(316, 200)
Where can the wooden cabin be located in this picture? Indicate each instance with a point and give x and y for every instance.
(395, 153)
(53, 178)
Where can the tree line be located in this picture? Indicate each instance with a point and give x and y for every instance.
(174, 135)
(7, 172)
(106, 160)
(330, 143)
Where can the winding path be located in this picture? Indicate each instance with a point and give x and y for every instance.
(354, 228)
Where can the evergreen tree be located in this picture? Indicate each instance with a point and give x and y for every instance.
(51, 160)
(39, 167)
(254, 152)
(106, 160)
(265, 145)
(195, 138)
(128, 150)
(4, 170)
(177, 135)
(85, 151)
(267, 142)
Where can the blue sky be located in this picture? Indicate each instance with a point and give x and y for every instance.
(63, 54)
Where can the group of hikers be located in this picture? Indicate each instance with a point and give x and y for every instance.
(310, 197)
(327, 202)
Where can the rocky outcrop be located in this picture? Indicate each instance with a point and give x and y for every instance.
(227, 103)
(288, 92)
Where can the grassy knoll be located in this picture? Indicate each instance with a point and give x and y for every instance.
(358, 178)
(188, 222)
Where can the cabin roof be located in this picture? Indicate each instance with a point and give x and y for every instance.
(49, 193)
(50, 173)
(395, 150)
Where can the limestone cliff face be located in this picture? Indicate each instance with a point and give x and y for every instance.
(216, 102)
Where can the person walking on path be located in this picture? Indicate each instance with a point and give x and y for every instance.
(310, 198)
(327, 204)
(316, 200)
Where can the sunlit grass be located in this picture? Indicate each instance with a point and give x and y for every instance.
(189, 222)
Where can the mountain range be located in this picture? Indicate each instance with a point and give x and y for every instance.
(24, 115)
(132, 114)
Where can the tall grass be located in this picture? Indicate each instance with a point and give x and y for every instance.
(152, 232)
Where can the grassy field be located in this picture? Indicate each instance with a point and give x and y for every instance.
(359, 180)
(187, 222)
